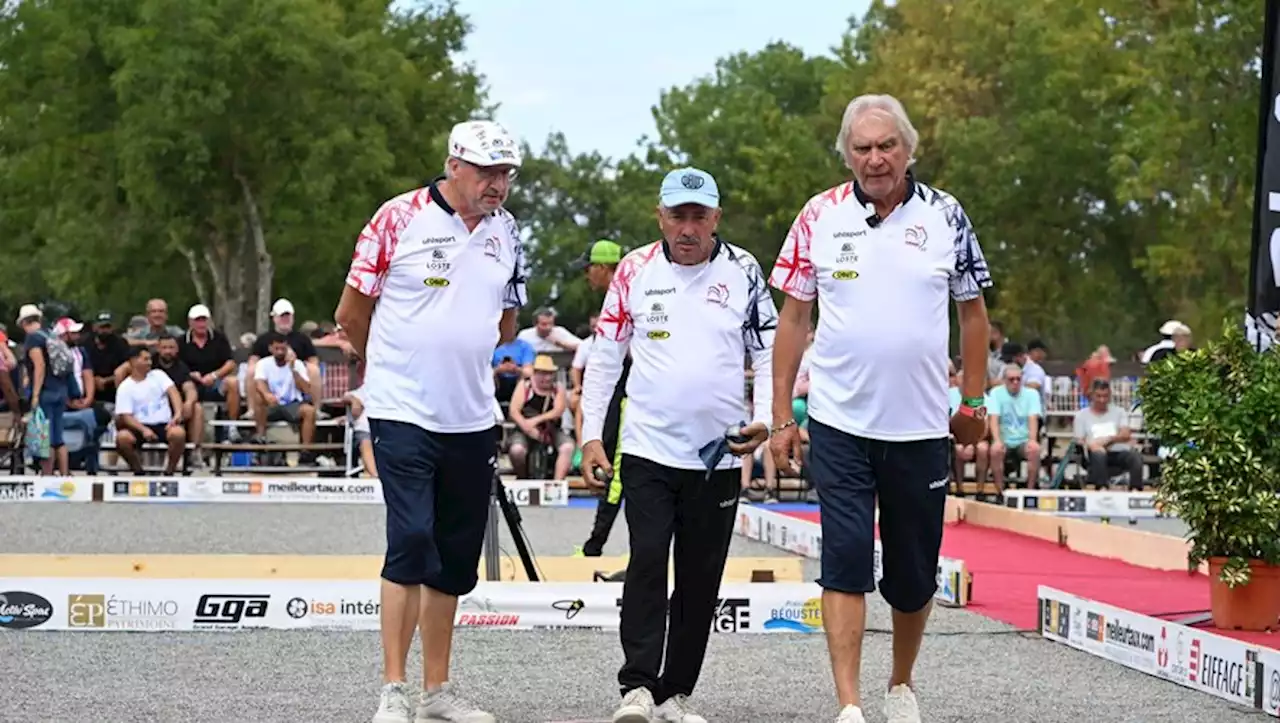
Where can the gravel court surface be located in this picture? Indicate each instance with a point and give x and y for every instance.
(971, 668)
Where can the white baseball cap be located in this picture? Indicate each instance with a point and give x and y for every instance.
(29, 311)
(484, 143)
(199, 311)
(1170, 327)
(282, 306)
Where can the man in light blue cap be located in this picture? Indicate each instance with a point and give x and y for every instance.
(688, 308)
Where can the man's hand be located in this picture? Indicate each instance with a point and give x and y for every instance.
(786, 448)
(594, 458)
(357, 408)
(148, 435)
(209, 380)
(967, 429)
(290, 356)
(271, 399)
(756, 434)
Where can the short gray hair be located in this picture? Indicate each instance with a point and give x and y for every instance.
(1004, 371)
(864, 104)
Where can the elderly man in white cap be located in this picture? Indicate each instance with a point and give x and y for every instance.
(441, 262)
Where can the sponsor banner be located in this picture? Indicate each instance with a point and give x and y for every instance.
(308, 490)
(1263, 301)
(1076, 503)
(105, 605)
(1269, 682)
(802, 537)
(45, 489)
(538, 493)
(1191, 657)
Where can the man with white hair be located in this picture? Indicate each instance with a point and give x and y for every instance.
(689, 309)
(440, 262)
(882, 252)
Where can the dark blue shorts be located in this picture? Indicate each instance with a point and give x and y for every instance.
(437, 488)
(910, 480)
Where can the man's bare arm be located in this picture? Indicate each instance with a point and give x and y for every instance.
(507, 326)
(355, 313)
(788, 347)
(975, 332)
(175, 401)
(130, 422)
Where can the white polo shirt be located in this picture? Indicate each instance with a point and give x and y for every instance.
(689, 330)
(878, 367)
(441, 291)
(146, 400)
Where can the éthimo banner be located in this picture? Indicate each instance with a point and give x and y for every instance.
(1264, 265)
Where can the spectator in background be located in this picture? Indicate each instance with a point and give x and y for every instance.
(108, 351)
(800, 391)
(1097, 366)
(360, 432)
(537, 409)
(157, 325)
(148, 410)
(546, 337)
(580, 358)
(167, 360)
(8, 384)
(50, 368)
(303, 349)
(980, 453)
(1014, 416)
(1162, 348)
(512, 362)
(279, 380)
(995, 363)
(1102, 431)
(1033, 375)
(92, 419)
(208, 357)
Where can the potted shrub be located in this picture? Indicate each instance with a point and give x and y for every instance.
(1217, 412)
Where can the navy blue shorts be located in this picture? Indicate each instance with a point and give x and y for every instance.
(437, 488)
(910, 480)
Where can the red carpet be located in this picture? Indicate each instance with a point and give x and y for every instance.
(1007, 568)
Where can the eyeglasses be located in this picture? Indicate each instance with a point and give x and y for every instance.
(494, 173)
(1014, 379)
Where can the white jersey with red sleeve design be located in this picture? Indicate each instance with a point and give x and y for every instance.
(440, 291)
(878, 365)
(689, 330)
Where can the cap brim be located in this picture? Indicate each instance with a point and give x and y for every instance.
(671, 200)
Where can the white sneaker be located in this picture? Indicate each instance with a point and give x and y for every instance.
(395, 706)
(637, 707)
(444, 706)
(851, 714)
(676, 710)
(900, 705)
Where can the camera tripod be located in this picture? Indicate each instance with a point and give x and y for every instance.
(492, 554)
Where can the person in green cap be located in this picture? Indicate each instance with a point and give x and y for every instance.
(598, 263)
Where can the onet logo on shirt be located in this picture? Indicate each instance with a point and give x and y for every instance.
(436, 282)
(845, 275)
(659, 334)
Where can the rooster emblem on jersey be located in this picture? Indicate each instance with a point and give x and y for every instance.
(917, 237)
(718, 294)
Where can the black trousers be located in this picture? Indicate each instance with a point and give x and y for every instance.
(665, 504)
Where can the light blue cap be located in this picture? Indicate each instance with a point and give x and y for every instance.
(689, 185)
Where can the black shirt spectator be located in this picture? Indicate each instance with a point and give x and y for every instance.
(301, 343)
(107, 351)
(206, 359)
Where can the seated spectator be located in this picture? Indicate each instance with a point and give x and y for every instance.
(537, 409)
(979, 454)
(303, 348)
(512, 362)
(279, 380)
(9, 379)
(82, 413)
(1033, 375)
(50, 370)
(168, 361)
(547, 338)
(360, 432)
(800, 390)
(1102, 431)
(995, 344)
(148, 410)
(1014, 417)
(157, 325)
(108, 352)
(208, 357)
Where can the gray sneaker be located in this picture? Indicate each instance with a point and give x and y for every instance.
(395, 706)
(676, 710)
(636, 707)
(445, 706)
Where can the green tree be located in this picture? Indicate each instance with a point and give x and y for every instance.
(236, 147)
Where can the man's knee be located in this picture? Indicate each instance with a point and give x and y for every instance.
(177, 436)
(516, 451)
(1032, 451)
(998, 450)
(125, 438)
(306, 411)
(566, 450)
(964, 454)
